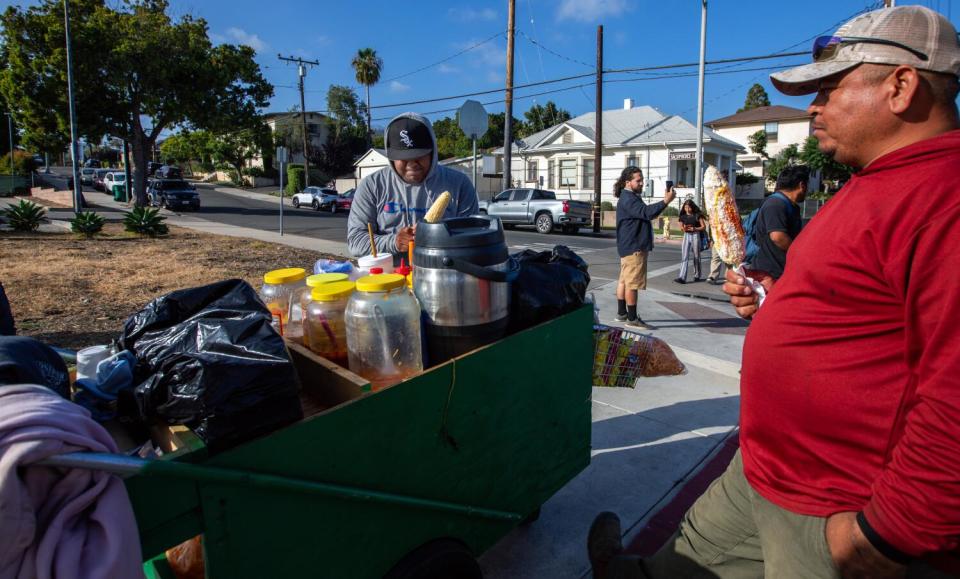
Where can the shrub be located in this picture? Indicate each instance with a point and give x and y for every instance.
(145, 221)
(747, 178)
(253, 171)
(22, 163)
(606, 206)
(295, 178)
(87, 223)
(25, 216)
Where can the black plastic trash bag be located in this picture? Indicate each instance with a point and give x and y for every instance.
(551, 283)
(209, 358)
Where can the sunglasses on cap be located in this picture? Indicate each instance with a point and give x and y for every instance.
(825, 47)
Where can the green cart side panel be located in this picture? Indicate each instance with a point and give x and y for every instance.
(501, 428)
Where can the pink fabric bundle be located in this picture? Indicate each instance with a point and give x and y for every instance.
(55, 522)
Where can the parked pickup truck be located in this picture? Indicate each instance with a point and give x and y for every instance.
(539, 208)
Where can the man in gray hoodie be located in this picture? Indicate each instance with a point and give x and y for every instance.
(396, 198)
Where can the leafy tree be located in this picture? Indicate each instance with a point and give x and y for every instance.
(141, 73)
(451, 141)
(493, 138)
(347, 137)
(790, 155)
(758, 143)
(288, 132)
(238, 147)
(543, 117)
(368, 67)
(829, 169)
(756, 97)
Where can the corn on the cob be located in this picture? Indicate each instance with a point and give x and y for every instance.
(438, 208)
(729, 240)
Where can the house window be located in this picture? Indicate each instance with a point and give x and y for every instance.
(567, 138)
(771, 130)
(532, 171)
(588, 173)
(551, 177)
(568, 172)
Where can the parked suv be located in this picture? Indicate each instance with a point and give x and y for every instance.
(113, 178)
(173, 194)
(98, 176)
(318, 198)
(86, 175)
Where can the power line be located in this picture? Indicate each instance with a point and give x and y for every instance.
(451, 57)
(553, 52)
(579, 76)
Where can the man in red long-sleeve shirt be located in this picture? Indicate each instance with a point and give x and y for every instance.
(850, 439)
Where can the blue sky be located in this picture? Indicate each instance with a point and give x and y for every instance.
(418, 33)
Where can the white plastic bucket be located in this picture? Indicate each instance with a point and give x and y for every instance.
(384, 260)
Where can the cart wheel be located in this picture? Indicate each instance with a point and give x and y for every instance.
(439, 559)
(531, 518)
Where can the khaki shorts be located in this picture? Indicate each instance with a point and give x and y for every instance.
(633, 271)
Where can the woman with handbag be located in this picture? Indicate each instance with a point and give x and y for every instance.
(693, 223)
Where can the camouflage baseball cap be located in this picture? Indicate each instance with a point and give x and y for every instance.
(903, 35)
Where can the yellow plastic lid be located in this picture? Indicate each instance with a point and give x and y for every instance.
(382, 282)
(285, 275)
(332, 291)
(322, 278)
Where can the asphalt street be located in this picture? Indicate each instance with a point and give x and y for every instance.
(598, 250)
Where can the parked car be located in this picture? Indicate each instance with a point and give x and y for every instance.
(152, 168)
(538, 207)
(98, 176)
(86, 175)
(317, 197)
(168, 172)
(173, 194)
(92, 163)
(113, 178)
(345, 200)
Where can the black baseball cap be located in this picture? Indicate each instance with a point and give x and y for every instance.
(408, 138)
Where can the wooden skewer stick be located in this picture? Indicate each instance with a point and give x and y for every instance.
(373, 246)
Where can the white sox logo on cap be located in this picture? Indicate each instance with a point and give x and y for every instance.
(406, 139)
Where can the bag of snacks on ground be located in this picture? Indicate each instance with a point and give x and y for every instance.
(622, 356)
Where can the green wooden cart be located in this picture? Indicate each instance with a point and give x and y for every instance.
(416, 480)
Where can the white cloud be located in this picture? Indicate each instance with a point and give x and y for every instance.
(591, 10)
(495, 76)
(397, 86)
(489, 54)
(445, 68)
(471, 15)
(324, 40)
(241, 36)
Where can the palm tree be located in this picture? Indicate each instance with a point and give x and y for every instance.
(368, 67)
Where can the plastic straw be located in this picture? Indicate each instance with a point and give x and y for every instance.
(326, 328)
(410, 253)
(373, 246)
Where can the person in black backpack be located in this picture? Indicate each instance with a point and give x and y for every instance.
(778, 222)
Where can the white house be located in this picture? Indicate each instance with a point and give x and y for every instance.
(783, 126)
(561, 158)
(376, 159)
(316, 130)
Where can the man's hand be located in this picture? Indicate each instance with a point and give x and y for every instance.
(669, 196)
(404, 236)
(741, 295)
(853, 554)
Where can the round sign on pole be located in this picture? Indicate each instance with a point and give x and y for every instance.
(472, 118)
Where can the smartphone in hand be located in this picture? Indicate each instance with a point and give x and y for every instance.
(669, 185)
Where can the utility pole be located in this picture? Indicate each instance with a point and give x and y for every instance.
(598, 129)
(10, 133)
(77, 198)
(508, 117)
(889, 3)
(302, 72)
(703, 57)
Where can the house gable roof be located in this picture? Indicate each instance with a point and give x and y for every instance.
(761, 115)
(639, 126)
(369, 153)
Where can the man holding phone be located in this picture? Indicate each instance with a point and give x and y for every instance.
(634, 241)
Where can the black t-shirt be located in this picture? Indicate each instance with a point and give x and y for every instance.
(776, 214)
(692, 219)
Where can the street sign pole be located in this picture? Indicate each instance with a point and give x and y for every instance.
(474, 139)
(281, 160)
(473, 121)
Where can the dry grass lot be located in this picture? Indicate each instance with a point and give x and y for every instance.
(73, 292)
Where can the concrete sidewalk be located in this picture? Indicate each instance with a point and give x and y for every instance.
(648, 442)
